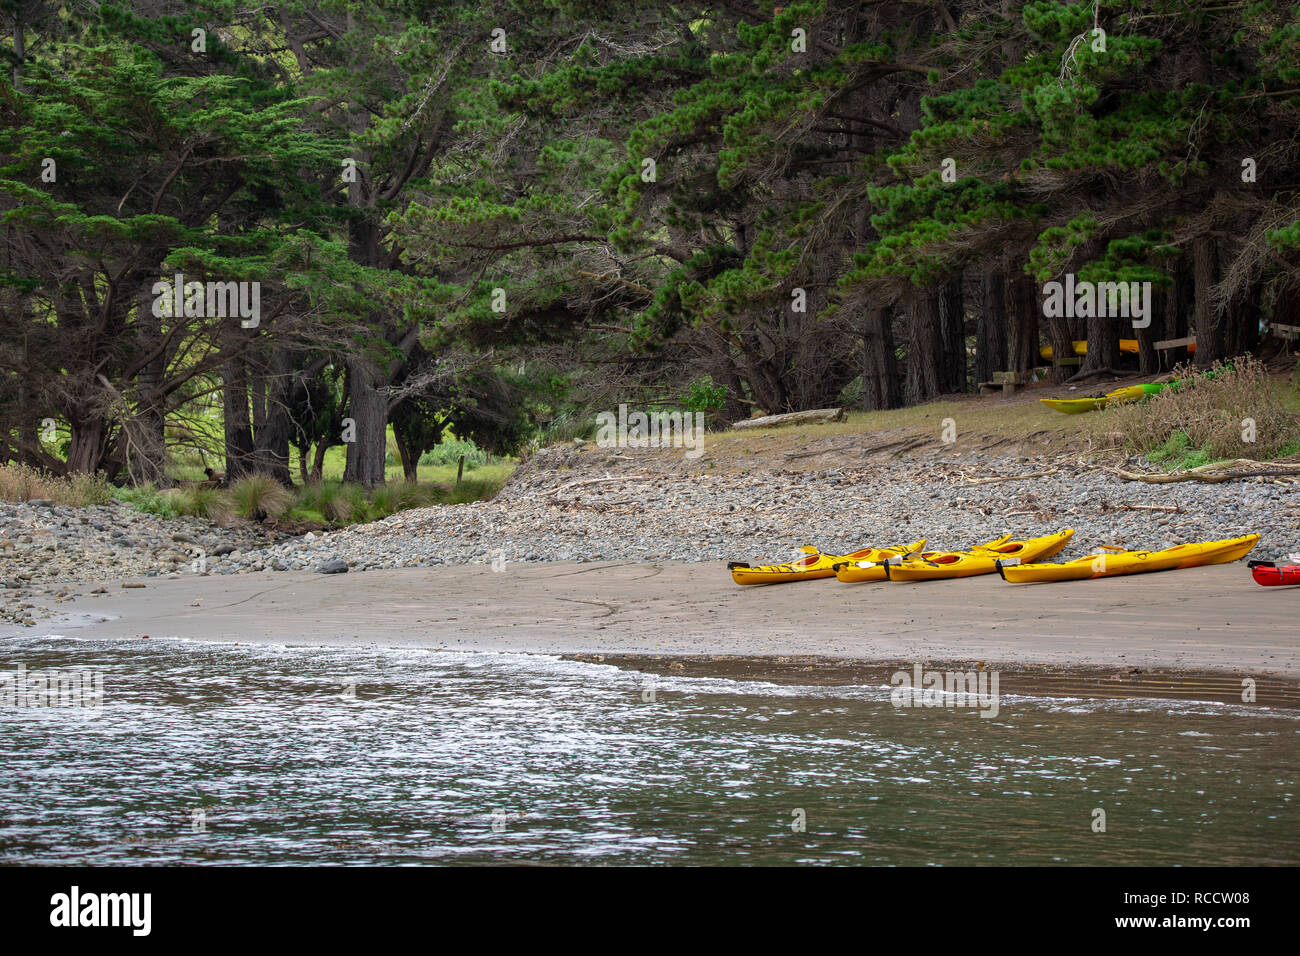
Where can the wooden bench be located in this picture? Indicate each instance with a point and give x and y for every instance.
(1006, 382)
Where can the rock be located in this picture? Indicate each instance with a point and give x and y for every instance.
(333, 566)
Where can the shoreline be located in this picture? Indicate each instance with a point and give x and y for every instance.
(1191, 634)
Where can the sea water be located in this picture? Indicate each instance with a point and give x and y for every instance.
(228, 754)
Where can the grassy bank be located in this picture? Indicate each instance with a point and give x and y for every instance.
(1187, 426)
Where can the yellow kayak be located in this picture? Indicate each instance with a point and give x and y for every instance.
(873, 569)
(1127, 346)
(978, 560)
(1127, 393)
(1114, 561)
(812, 565)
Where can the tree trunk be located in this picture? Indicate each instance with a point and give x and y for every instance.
(922, 383)
(27, 431)
(1179, 302)
(410, 461)
(1243, 325)
(1022, 327)
(1058, 330)
(234, 406)
(880, 364)
(369, 412)
(952, 338)
(318, 463)
(1211, 344)
(1148, 357)
(1103, 342)
(271, 440)
(991, 330)
(87, 444)
(733, 408)
(150, 459)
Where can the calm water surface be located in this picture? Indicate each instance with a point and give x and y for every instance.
(226, 754)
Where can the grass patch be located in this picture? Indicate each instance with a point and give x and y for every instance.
(1178, 452)
(149, 500)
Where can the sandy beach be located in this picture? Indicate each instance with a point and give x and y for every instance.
(1196, 632)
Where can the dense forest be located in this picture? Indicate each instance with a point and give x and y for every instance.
(267, 230)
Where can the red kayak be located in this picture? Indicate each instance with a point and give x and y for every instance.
(1270, 575)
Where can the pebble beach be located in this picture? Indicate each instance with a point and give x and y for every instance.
(571, 504)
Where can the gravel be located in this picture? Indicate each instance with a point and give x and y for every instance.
(44, 547)
(561, 507)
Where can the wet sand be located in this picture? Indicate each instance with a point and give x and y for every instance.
(1194, 633)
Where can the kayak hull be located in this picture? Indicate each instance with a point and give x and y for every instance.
(1133, 562)
(1271, 575)
(1128, 393)
(938, 566)
(1074, 406)
(813, 565)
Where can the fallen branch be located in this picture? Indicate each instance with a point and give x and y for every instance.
(1173, 509)
(1215, 472)
(993, 481)
(595, 481)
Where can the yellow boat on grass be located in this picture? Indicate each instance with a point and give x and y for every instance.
(1115, 561)
(1127, 393)
(978, 560)
(812, 565)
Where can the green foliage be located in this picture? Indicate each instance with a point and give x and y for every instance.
(704, 395)
(450, 451)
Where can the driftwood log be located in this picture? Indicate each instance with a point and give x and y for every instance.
(993, 481)
(1216, 471)
(814, 416)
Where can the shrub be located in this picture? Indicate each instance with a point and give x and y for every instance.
(704, 395)
(1232, 410)
(22, 483)
(448, 453)
(83, 489)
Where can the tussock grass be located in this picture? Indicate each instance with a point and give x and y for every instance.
(1232, 410)
(200, 502)
(260, 497)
